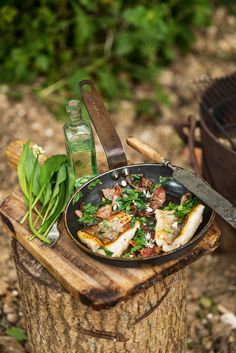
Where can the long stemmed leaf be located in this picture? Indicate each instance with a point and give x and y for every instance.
(21, 170)
(61, 176)
(60, 206)
(46, 196)
(70, 181)
(31, 164)
(50, 166)
(32, 228)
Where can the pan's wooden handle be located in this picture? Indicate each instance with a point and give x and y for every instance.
(13, 152)
(145, 150)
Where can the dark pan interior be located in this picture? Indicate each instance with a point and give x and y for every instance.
(174, 192)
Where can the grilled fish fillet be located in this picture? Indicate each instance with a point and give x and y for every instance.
(112, 234)
(169, 235)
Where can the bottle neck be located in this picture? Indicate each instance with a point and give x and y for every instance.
(75, 120)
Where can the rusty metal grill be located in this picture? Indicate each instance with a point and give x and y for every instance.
(218, 103)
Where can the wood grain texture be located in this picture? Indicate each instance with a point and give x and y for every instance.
(14, 149)
(94, 283)
(152, 321)
(145, 150)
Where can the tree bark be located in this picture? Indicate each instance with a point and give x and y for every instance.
(153, 320)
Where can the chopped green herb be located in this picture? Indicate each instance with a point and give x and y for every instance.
(131, 197)
(136, 178)
(105, 202)
(77, 197)
(105, 223)
(140, 241)
(81, 181)
(106, 251)
(162, 179)
(94, 183)
(88, 214)
(182, 210)
(133, 220)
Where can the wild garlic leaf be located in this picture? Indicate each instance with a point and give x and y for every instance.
(21, 170)
(54, 206)
(46, 197)
(29, 166)
(70, 181)
(60, 207)
(61, 176)
(51, 166)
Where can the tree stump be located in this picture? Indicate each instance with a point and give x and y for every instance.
(153, 320)
(97, 308)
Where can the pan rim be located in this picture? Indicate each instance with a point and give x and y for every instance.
(127, 260)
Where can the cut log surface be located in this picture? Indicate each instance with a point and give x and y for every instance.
(152, 321)
(93, 282)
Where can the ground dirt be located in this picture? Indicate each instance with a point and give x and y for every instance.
(212, 285)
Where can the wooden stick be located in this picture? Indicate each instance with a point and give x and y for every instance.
(145, 150)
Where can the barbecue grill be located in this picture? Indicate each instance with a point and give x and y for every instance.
(218, 106)
(217, 110)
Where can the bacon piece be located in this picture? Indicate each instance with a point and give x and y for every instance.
(185, 197)
(158, 197)
(150, 251)
(104, 212)
(108, 193)
(78, 213)
(146, 213)
(132, 242)
(146, 183)
(133, 209)
(142, 185)
(112, 194)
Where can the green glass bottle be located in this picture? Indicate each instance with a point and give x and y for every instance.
(79, 141)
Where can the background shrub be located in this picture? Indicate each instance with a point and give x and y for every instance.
(115, 42)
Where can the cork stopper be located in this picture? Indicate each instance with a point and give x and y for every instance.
(73, 108)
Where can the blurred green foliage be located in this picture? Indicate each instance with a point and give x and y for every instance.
(115, 42)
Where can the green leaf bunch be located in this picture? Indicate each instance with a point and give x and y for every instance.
(46, 188)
